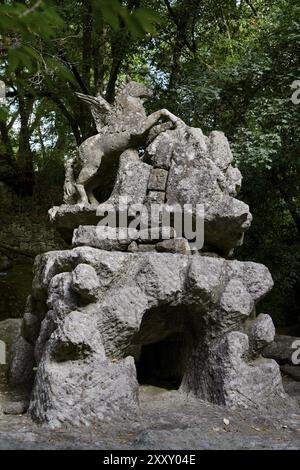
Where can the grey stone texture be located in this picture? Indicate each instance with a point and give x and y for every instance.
(201, 173)
(180, 166)
(155, 197)
(261, 332)
(127, 306)
(158, 180)
(21, 363)
(9, 332)
(175, 245)
(25, 236)
(281, 350)
(93, 335)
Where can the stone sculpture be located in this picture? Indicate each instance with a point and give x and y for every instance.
(122, 126)
(70, 191)
(116, 311)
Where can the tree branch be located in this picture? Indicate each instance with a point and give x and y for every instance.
(60, 105)
(68, 115)
(249, 3)
(180, 29)
(32, 9)
(75, 72)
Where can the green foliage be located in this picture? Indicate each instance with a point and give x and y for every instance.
(218, 65)
(138, 22)
(3, 113)
(19, 24)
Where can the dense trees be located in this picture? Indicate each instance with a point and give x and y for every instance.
(217, 64)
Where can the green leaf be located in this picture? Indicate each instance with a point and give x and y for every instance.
(147, 18)
(3, 113)
(13, 59)
(139, 22)
(64, 73)
(111, 11)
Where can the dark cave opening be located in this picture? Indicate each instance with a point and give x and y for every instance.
(164, 345)
(162, 363)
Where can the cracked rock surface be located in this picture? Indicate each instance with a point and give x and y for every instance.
(180, 320)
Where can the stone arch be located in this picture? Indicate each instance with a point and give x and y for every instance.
(163, 345)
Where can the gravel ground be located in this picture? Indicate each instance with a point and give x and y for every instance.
(167, 421)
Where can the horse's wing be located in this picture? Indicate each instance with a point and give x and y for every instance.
(100, 108)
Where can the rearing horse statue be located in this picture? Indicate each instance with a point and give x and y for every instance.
(120, 126)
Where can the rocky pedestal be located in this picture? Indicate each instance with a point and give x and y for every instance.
(180, 167)
(109, 319)
(142, 306)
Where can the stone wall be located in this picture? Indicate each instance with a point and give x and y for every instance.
(25, 236)
(22, 237)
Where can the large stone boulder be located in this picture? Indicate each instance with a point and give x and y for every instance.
(181, 166)
(282, 349)
(22, 363)
(177, 319)
(200, 171)
(136, 300)
(9, 332)
(84, 391)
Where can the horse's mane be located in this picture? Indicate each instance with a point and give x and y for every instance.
(122, 92)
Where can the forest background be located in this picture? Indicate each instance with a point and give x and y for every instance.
(218, 64)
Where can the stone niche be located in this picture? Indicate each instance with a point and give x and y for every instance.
(115, 312)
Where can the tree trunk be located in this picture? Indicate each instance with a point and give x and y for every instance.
(5, 145)
(24, 154)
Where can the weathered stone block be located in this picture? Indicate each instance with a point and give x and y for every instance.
(175, 245)
(90, 391)
(155, 197)
(158, 180)
(30, 327)
(144, 248)
(262, 332)
(155, 234)
(85, 282)
(9, 332)
(159, 152)
(22, 363)
(219, 149)
(282, 349)
(133, 247)
(104, 238)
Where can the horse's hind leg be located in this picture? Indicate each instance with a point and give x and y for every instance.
(90, 154)
(85, 177)
(91, 196)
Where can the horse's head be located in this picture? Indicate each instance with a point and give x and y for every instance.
(134, 89)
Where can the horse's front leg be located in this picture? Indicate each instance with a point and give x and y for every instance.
(155, 117)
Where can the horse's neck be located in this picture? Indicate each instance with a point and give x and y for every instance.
(128, 104)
